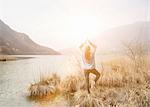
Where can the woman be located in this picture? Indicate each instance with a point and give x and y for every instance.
(88, 57)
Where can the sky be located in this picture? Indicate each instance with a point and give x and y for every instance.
(63, 24)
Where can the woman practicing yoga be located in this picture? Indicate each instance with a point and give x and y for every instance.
(88, 58)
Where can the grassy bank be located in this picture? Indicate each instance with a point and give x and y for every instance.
(123, 83)
(13, 57)
(7, 58)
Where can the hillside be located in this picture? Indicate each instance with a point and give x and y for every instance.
(114, 38)
(16, 43)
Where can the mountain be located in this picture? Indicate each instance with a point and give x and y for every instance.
(113, 39)
(16, 43)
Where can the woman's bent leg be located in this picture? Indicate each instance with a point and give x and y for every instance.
(97, 74)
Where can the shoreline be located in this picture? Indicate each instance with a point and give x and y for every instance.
(4, 58)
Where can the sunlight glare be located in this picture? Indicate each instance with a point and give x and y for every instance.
(84, 27)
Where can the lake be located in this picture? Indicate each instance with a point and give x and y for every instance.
(16, 76)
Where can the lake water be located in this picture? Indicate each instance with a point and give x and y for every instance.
(16, 76)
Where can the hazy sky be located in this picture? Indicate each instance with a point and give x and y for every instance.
(66, 23)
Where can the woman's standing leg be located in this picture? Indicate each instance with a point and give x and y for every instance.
(86, 72)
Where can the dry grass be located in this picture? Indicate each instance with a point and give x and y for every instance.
(46, 87)
(120, 71)
(119, 86)
(70, 84)
(83, 99)
(129, 96)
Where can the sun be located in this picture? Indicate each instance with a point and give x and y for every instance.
(84, 27)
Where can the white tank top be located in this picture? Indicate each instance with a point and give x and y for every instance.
(91, 64)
